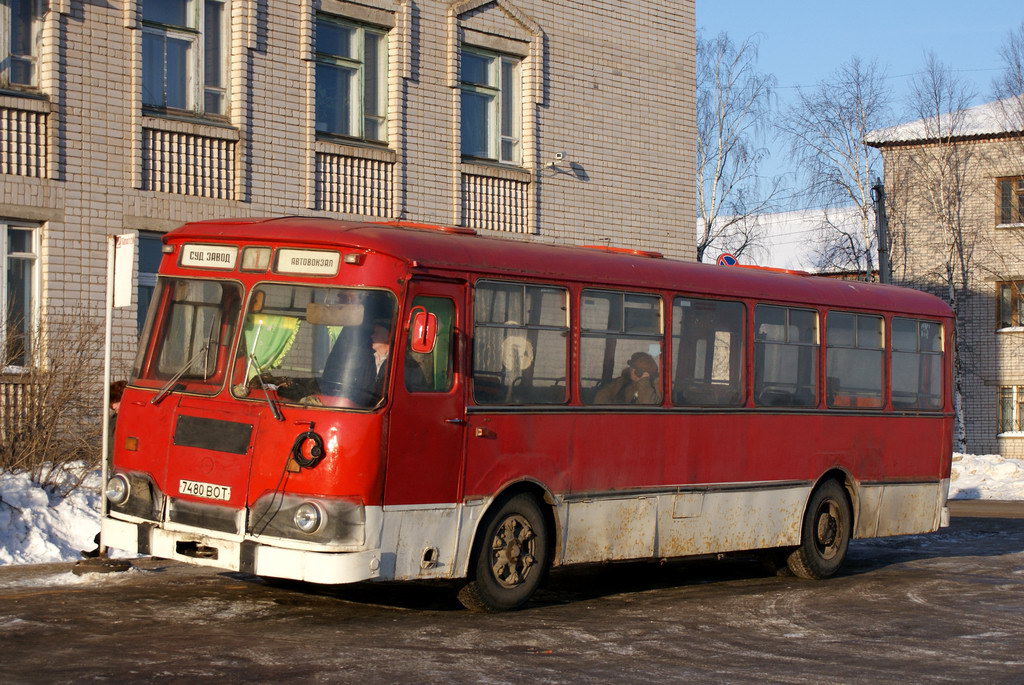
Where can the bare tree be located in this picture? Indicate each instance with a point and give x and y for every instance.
(734, 100)
(943, 170)
(1009, 86)
(826, 127)
(49, 420)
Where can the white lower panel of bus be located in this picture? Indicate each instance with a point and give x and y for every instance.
(682, 523)
(266, 560)
(435, 540)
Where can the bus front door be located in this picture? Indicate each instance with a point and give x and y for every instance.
(426, 433)
(426, 437)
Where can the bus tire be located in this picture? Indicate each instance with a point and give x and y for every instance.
(511, 556)
(825, 536)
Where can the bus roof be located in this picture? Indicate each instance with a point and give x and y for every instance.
(460, 249)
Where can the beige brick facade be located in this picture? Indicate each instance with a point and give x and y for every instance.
(609, 83)
(993, 357)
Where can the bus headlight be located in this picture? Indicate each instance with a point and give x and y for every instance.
(308, 517)
(117, 490)
(332, 521)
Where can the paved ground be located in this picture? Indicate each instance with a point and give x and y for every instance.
(948, 607)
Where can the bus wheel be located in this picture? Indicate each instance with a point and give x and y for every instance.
(827, 526)
(510, 557)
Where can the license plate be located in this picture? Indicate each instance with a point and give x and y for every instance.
(206, 490)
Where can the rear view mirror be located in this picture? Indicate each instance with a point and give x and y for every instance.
(335, 314)
(422, 331)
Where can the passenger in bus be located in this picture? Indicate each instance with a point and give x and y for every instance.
(380, 341)
(638, 383)
(355, 374)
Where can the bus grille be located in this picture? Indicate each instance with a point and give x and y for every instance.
(209, 516)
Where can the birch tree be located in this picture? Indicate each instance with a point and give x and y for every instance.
(943, 170)
(826, 127)
(734, 101)
(1009, 86)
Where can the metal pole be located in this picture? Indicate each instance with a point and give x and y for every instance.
(108, 309)
(882, 228)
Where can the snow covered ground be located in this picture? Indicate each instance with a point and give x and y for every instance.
(37, 527)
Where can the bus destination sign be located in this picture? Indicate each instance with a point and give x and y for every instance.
(307, 262)
(209, 256)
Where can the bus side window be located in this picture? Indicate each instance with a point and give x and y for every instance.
(620, 348)
(785, 356)
(520, 343)
(916, 364)
(708, 339)
(854, 360)
(432, 372)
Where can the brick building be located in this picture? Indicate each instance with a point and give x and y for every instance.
(980, 159)
(565, 122)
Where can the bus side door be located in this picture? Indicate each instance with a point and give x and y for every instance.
(428, 412)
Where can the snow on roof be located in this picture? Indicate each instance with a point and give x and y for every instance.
(791, 240)
(989, 119)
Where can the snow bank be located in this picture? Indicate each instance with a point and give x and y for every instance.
(37, 527)
(986, 476)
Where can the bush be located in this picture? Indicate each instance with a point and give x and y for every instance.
(50, 409)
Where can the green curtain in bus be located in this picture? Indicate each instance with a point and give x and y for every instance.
(269, 337)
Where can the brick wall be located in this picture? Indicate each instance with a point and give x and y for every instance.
(609, 83)
(991, 359)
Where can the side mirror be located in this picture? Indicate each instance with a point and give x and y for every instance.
(422, 331)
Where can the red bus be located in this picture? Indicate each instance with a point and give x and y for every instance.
(336, 402)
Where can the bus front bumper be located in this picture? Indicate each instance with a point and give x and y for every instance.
(329, 568)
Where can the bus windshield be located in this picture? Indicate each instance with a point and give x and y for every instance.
(315, 346)
(191, 329)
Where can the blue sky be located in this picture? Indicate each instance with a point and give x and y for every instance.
(803, 42)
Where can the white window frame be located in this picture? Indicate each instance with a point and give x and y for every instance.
(357, 116)
(5, 44)
(195, 34)
(34, 286)
(502, 93)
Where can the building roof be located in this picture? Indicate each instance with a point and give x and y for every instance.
(437, 249)
(995, 118)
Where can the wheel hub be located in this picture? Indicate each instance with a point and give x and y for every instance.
(512, 551)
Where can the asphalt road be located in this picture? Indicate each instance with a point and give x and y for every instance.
(946, 607)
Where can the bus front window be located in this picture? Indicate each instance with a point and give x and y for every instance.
(190, 330)
(316, 346)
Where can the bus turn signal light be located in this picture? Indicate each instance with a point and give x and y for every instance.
(131, 444)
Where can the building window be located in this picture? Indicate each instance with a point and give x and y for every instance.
(1011, 201)
(1010, 304)
(351, 79)
(1011, 409)
(18, 256)
(150, 254)
(184, 63)
(491, 104)
(18, 27)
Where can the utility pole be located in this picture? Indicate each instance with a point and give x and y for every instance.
(882, 228)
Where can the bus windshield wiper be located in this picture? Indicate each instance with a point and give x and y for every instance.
(172, 383)
(266, 393)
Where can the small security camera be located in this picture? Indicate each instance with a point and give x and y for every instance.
(561, 156)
